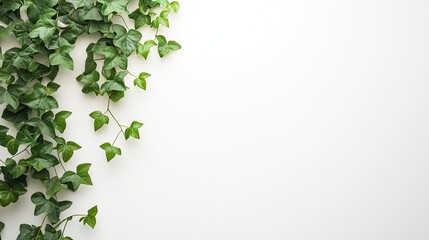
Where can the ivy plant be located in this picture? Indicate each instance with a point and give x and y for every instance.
(33, 124)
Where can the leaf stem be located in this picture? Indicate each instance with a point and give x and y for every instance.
(116, 138)
(131, 74)
(66, 219)
(113, 116)
(59, 159)
(55, 170)
(64, 228)
(125, 23)
(23, 150)
(156, 34)
(41, 225)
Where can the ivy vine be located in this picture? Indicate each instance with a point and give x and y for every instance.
(46, 32)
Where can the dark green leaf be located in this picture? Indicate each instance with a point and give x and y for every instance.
(52, 207)
(41, 162)
(60, 120)
(74, 180)
(53, 186)
(10, 191)
(27, 232)
(66, 148)
(16, 170)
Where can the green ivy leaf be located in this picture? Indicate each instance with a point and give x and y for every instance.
(140, 81)
(133, 130)
(51, 233)
(43, 161)
(39, 99)
(114, 59)
(45, 30)
(10, 143)
(43, 125)
(163, 2)
(90, 218)
(11, 189)
(113, 6)
(4, 31)
(165, 47)
(52, 207)
(53, 186)
(139, 19)
(15, 169)
(144, 49)
(124, 40)
(1, 227)
(66, 149)
(89, 81)
(62, 57)
(60, 120)
(99, 119)
(27, 232)
(175, 6)
(80, 3)
(74, 180)
(6, 97)
(110, 151)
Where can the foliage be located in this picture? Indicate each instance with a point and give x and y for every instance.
(46, 32)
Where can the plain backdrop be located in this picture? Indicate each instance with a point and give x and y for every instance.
(303, 120)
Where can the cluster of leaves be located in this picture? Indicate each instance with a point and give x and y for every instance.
(46, 32)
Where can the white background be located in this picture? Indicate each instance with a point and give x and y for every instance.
(277, 120)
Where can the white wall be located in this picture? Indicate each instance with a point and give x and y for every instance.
(277, 120)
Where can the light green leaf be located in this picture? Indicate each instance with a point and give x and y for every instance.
(163, 2)
(140, 81)
(175, 6)
(113, 6)
(144, 49)
(133, 130)
(165, 47)
(111, 151)
(99, 119)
